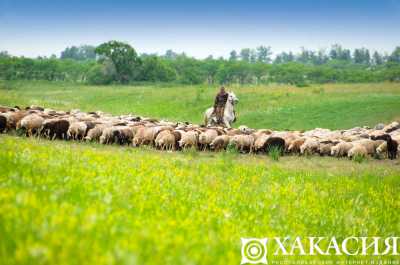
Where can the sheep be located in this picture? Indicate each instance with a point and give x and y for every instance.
(77, 130)
(391, 127)
(220, 142)
(189, 139)
(392, 145)
(245, 130)
(14, 118)
(107, 136)
(243, 142)
(310, 146)
(260, 141)
(205, 138)
(341, 149)
(146, 135)
(122, 135)
(95, 133)
(295, 145)
(165, 140)
(325, 148)
(3, 123)
(369, 145)
(32, 123)
(381, 149)
(274, 143)
(357, 150)
(55, 128)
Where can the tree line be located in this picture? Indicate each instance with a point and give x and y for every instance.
(118, 62)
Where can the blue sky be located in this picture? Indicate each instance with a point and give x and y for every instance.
(199, 28)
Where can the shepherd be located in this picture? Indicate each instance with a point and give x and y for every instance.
(219, 104)
(222, 113)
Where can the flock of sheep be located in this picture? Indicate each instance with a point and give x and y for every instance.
(381, 141)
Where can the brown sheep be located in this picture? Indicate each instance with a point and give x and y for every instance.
(295, 145)
(3, 123)
(55, 129)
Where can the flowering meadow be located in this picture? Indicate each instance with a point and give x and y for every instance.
(75, 203)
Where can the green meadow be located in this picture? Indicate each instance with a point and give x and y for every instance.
(335, 106)
(80, 203)
(77, 203)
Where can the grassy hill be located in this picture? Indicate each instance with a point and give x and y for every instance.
(70, 203)
(335, 106)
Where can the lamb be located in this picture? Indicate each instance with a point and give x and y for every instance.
(77, 130)
(205, 138)
(189, 139)
(32, 123)
(392, 145)
(310, 146)
(357, 150)
(165, 140)
(220, 142)
(341, 149)
(243, 142)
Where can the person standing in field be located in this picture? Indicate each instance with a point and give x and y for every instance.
(219, 104)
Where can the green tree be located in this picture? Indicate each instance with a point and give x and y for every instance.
(395, 56)
(83, 52)
(233, 56)
(245, 54)
(377, 59)
(124, 58)
(264, 54)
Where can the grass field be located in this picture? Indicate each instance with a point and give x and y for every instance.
(70, 203)
(80, 203)
(335, 106)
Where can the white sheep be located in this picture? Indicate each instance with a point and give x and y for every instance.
(357, 150)
(189, 139)
(77, 130)
(32, 123)
(341, 149)
(310, 146)
(205, 138)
